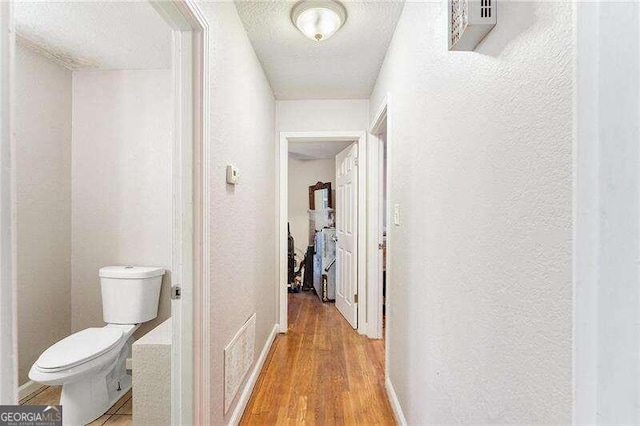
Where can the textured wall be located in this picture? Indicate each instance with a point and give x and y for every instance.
(43, 205)
(303, 174)
(243, 230)
(121, 182)
(152, 377)
(322, 115)
(480, 161)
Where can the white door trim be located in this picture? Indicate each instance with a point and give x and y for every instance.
(587, 216)
(384, 111)
(282, 168)
(374, 256)
(190, 380)
(8, 347)
(603, 226)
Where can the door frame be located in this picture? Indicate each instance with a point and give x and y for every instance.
(374, 213)
(282, 216)
(599, 176)
(190, 372)
(384, 112)
(190, 211)
(8, 335)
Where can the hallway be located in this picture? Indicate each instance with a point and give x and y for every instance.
(480, 157)
(321, 372)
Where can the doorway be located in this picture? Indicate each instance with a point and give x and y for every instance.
(187, 207)
(379, 219)
(357, 317)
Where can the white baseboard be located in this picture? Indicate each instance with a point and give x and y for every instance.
(395, 403)
(253, 378)
(28, 388)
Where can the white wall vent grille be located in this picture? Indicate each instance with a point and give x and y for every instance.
(238, 359)
(469, 22)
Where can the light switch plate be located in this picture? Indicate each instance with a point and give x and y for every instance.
(233, 175)
(396, 214)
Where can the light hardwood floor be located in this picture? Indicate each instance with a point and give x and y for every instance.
(321, 372)
(119, 414)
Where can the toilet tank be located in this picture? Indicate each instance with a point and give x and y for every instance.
(130, 294)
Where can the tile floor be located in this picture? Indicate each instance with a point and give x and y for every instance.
(119, 414)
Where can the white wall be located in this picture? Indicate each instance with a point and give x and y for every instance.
(607, 224)
(322, 115)
(42, 129)
(152, 376)
(8, 332)
(315, 116)
(480, 272)
(121, 182)
(302, 175)
(243, 228)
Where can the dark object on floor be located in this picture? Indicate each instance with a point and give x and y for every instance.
(384, 292)
(295, 286)
(307, 282)
(292, 257)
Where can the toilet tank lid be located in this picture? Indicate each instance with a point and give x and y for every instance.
(131, 272)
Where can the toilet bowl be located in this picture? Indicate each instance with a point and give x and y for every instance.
(91, 364)
(91, 367)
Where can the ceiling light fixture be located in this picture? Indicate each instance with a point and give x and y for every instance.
(318, 19)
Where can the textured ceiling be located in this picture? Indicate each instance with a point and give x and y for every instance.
(343, 67)
(96, 35)
(316, 150)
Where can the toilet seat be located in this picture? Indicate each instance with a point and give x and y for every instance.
(79, 348)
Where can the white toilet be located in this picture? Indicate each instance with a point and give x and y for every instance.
(91, 364)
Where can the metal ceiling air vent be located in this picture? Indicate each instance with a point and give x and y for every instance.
(469, 22)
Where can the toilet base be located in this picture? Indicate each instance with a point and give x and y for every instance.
(85, 400)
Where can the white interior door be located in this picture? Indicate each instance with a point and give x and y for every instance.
(347, 233)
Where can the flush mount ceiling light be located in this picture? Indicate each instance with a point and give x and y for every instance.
(318, 19)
